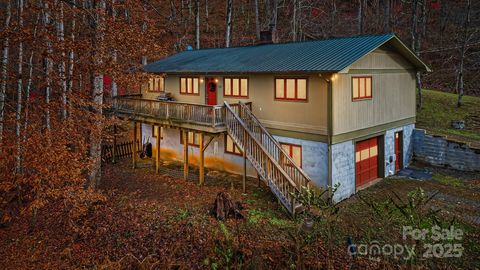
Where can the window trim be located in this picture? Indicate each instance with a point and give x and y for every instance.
(153, 132)
(190, 144)
(186, 93)
(234, 146)
(290, 151)
(296, 89)
(239, 87)
(156, 91)
(371, 88)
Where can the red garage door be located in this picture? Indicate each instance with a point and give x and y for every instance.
(366, 161)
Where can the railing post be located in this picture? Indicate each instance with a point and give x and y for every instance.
(167, 109)
(214, 120)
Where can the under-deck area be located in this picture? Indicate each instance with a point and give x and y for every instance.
(206, 120)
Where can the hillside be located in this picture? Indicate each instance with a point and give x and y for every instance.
(439, 109)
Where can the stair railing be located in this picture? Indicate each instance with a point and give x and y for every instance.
(295, 172)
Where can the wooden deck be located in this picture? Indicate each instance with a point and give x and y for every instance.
(169, 113)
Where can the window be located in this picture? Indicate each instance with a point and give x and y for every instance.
(366, 153)
(291, 89)
(361, 88)
(156, 84)
(235, 87)
(189, 86)
(294, 151)
(193, 138)
(231, 147)
(155, 133)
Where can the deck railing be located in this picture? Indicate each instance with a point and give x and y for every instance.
(198, 114)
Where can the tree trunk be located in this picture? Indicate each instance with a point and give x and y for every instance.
(413, 29)
(18, 112)
(61, 66)
(360, 17)
(228, 23)
(333, 17)
(3, 88)
(71, 54)
(97, 97)
(144, 30)
(206, 17)
(29, 84)
(257, 21)
(197, 24)
(294, 21)
(463, 50)
(386, 16)
(114, 92)
(48, 68)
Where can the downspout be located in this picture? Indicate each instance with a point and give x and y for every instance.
(328, 80)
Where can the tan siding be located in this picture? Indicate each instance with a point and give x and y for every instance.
(306, 116)
(172, 85)
(380, 59)
(393, 99)
(301, 116)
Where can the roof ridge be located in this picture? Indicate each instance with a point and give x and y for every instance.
(294, 42)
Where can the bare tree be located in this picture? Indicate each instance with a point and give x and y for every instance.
(463, 50)
(206, 17)
(360, 16)
(144, 28)
(228, 23)
(3, 88)
(197, 24)
(48, 66)
(18, 112)
(97, 97)
(386, 15)
(61, 66)
(257, 21)
(294, 20)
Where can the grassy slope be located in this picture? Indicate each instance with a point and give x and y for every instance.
(439, 109)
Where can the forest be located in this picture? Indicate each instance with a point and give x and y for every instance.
(56, 54)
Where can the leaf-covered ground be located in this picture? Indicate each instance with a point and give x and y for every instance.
(163, 222)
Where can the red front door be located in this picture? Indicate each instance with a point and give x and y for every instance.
(398, 151)
(366, 161)
(211, 91)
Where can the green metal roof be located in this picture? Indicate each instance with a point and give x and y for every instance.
(328, 55)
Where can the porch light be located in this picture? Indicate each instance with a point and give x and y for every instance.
(216, 80)
(201, 80)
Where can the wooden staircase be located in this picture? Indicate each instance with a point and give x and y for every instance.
(272, 163)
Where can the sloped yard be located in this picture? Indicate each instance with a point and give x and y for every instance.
(440, 108)
(164, 222)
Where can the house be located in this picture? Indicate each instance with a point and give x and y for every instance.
(324, 112)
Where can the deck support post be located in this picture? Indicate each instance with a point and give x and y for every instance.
(157, 155)
(244, 154)
(201, 171)
(185, 154)
(134, 148)
(114, 155)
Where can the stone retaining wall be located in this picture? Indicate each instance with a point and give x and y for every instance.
(439, 151)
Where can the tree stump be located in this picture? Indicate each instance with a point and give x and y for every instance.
(224, 207)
